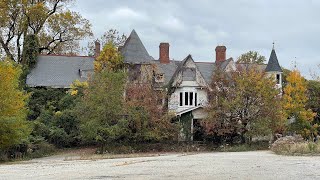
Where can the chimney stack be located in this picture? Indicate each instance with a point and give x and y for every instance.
(164, 53)
(97, 48)
(220, 53)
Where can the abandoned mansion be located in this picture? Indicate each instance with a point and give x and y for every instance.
(189, 80)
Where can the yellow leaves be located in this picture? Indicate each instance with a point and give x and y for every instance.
(109, 59)
(13, 112)
(295, 96)
(294, 102)
(12, 99)
(76, 86)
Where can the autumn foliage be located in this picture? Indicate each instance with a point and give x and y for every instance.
(148, 119)
(110, 59)
(294, 106)
(242, 105)
(13, 111)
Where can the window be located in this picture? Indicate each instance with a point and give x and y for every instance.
(195, 99)
(191, 99)
(186, 98)
(278, 78)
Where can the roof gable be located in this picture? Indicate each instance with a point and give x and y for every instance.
(134, 51)
(273, 64)
(190, 70)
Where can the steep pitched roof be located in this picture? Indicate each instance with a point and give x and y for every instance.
(180, 67)
(273, 64)
(206, 69)
(167, 69)
(134, 51)
(59, 71)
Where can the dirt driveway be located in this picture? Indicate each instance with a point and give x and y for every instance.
(232, 165)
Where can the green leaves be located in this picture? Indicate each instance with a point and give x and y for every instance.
(251, 57)
(243, 103)
(100, 110)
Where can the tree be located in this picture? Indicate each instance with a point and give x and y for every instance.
(294, 106)
(59, 30)
(148, 120)
(251, 57)
(244, 104)
(110, 36)
(109, 59)
(30, 51)
(313, 103)
(13, 125)
(100, 110)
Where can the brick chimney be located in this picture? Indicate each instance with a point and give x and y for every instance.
(97, 48)
(221, 53)
(164, 53)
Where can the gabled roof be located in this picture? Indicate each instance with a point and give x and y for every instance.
(59, 71)
(167, 69)
(273, 64)
(134, 51)
(206, 69)
(181, 68)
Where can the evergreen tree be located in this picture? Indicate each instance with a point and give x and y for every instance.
(30, 50)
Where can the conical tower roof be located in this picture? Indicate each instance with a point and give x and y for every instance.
(134, 51)
(273, 64)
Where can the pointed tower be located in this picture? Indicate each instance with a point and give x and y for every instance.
(274, 69)
(134, 51)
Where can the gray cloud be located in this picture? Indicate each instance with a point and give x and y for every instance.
(196, 27)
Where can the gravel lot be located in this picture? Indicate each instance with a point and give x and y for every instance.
(231, 165)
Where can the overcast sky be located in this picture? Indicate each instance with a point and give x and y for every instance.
(196, 27)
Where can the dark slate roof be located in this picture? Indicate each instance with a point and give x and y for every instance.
(273, 64)
(59, 71)
(134, 51)
(167, 69)
(206, 69)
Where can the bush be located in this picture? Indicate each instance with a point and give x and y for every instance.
(39, 147)
(295, 145)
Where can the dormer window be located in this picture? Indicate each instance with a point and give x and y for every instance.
(159, 78)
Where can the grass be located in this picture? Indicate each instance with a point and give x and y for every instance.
(255, 146)
(297, 149)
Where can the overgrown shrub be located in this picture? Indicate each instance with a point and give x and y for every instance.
(295, 145)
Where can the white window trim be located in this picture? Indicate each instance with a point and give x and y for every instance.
(194, 100)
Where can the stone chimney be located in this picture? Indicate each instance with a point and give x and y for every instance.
(164, 53)
(221, 53)
(97, 48)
